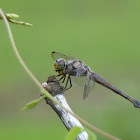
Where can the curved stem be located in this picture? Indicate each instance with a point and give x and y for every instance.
(40, 86)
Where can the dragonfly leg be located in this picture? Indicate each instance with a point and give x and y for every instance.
(59, 75)
(66, 83)
(63, 77)
(68, 80)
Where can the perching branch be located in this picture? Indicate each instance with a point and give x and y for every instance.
(55, 89)
(2, 15)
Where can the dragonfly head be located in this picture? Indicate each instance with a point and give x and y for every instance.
(60, 64)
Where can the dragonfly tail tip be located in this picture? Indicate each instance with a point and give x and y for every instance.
(136, 104)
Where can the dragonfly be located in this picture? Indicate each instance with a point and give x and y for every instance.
(68, 67)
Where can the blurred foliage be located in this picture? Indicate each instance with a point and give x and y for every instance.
(104, 34)
(10, 17)
(73, 133)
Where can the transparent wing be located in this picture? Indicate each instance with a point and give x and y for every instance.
(56, 55)
(89, 85)
(80, 81)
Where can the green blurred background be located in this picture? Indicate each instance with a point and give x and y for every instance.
(104, 34)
